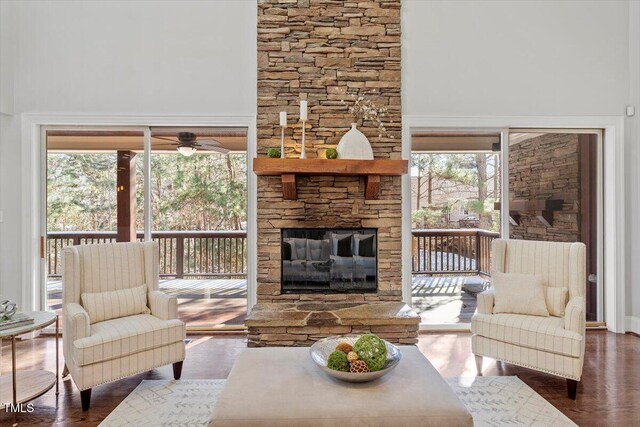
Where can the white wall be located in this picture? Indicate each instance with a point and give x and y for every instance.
(117, 57)
(507, 58)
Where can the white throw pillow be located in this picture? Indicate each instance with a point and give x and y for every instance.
(556, 299)
(114, 304)
(519, 294)
(298, 248)
(318, 250)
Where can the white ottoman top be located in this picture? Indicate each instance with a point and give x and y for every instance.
(283, 387)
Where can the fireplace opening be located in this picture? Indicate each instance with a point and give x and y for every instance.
(329, 260)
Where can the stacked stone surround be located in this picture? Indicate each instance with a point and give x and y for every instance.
(328, 52)
(547, 167)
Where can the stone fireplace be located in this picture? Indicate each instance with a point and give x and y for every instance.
(328, 52)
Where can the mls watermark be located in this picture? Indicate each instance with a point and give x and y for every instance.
(19, 408)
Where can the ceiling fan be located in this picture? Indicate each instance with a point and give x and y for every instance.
(188, 143)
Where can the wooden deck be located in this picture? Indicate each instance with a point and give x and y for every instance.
(215, 302)
(446, 300)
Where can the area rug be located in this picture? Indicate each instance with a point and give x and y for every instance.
(167, 403)
(505, 401)
(493, 401)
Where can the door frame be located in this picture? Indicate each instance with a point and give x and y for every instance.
(34, 153)
(614, 241)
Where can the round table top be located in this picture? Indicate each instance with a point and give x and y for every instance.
(41, 319)
(29, 385)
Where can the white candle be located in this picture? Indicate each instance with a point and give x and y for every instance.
(303, 110)
(283, 118)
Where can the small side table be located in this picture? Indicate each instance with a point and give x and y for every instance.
(27, 385)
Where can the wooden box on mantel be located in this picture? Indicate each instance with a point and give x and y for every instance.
(288, 169)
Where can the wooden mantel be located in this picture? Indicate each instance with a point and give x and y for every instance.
(288, 169)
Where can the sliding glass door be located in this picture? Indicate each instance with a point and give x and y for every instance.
(193, 203)
(470, 187)
(455, 214)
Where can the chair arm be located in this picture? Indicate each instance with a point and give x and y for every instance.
(163, 306)
(485, 301)
(76, 317)
(574, 315)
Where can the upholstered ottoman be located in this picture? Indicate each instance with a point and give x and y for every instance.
(283, 387)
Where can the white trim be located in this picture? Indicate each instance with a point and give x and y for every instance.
(32, 146)
(633, 324)
(504, 183)
(252, 216)
(405, 193)
(148, 212)
(613, 201)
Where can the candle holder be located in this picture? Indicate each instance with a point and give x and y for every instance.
(282, 141)
(303, 152)
(303, 119)
(283, 125)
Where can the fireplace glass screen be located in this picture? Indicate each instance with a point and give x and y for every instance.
(329, 260)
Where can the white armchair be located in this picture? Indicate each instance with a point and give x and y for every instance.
(551, 344)
(108, 350)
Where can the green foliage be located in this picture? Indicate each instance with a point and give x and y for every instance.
(202, 192)
(81, 192)
(273, 153)
(442, 181)
(372, 350)
(427, 217)
(331, 153)
(338, 361)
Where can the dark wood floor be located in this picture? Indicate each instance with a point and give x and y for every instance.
(608, 396)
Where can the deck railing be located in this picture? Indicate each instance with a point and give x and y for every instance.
(209, 254)
(454, 251)
(193, 254)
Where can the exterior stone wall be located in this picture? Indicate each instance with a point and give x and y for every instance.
(328, 51)
(547, 167)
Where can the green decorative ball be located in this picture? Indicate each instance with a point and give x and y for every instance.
(372, 350)
(338, 361)
(331, 153)
(273, 153)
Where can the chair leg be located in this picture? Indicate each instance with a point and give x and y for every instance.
(572, 389)
(479, 364)
(85, 397)
(177, 370)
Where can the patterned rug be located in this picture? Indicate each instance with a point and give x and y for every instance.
(493, 401)
(505, 401)
(167, 403)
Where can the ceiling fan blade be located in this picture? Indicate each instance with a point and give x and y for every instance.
(215, 149)
(166, 139)
(209, 142)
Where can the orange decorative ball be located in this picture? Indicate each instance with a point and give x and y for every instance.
(344, 347)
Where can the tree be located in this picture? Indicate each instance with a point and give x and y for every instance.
(465, 174)
(202, 192)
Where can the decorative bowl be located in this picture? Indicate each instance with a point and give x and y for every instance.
(321, 350)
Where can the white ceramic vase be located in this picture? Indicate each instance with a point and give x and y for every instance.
(354, 145)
